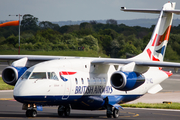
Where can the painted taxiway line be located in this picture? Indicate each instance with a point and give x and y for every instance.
(6, 90)
(153, 109)
(11, 99)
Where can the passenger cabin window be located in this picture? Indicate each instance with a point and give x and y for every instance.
(52, 75)
(38, 75)
(76, 80)
(82, 80)
(26, 75)
(88, 80)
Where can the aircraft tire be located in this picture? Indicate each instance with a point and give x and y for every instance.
(31, 113)
(115, 113)
(28, 113)
(109, 115)
(67, 111)
(60, 111)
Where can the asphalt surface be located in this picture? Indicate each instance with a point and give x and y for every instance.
(11, 110)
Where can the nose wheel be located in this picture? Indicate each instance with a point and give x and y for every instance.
(31, 113)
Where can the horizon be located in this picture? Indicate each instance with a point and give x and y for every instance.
(70, 10)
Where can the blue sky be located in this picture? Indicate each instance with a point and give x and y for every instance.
(74, 10)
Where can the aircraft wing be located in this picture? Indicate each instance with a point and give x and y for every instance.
(33, 57)
(39, 58)
(139, 63)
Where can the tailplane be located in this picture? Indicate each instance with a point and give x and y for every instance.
(155, 49)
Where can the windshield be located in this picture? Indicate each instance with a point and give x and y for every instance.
(38, 75)
(26, 75)
(52, 75)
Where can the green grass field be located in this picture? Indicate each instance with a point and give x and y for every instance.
(55, 53)
(153, 105)
(4, 86)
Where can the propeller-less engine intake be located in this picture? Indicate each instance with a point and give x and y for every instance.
(126, 81)
(10, 74)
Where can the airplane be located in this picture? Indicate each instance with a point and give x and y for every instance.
(88, 83)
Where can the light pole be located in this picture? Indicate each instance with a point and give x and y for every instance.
(19, 30)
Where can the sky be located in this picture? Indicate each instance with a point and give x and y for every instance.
(77, 10)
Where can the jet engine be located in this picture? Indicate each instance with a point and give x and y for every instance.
(10, 74)
(126, 81)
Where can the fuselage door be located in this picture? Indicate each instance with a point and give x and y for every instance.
(67, 84)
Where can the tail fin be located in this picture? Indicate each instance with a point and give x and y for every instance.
(155, 50)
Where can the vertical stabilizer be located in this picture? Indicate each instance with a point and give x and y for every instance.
(155, 50)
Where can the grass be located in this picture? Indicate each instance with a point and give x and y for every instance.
(153, 105)
(4, 86)
(54, 53)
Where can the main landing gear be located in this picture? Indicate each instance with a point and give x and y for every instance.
(64, 110)
(112, 111)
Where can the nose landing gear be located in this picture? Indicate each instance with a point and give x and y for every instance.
(31, 113)
(30, 110)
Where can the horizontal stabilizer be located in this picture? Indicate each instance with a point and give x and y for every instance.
(157, 11)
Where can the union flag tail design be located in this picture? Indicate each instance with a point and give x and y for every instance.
(155, 50)
(159, 39)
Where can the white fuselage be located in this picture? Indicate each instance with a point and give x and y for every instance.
(76, 78)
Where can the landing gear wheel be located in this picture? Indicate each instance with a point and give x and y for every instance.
(67, 111)
(28, 114)
(109, 115)
(31, 113)
(64, 110)
(115, 113)
(60, 111)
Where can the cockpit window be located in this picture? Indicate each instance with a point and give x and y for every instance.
(38, 75)
(26, 75)
(52, 75)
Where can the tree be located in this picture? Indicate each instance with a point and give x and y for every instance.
(29, 22)
(85, 25)
(111, 21)
(47, 24)
(91, 42)
(115, 47)
(93, 22)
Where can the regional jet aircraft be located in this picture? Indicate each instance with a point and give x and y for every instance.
(91, 83)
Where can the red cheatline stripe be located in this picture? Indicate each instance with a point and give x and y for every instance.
(66, 73)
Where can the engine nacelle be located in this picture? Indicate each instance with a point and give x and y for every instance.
(126, 81)
(10, 74)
